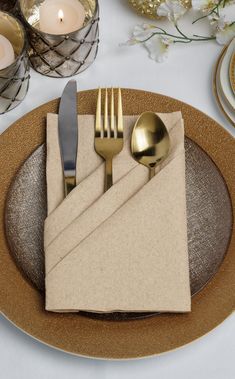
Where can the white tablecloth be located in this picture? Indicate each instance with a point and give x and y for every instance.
(187, 76)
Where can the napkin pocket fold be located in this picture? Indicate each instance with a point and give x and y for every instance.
(126, 249)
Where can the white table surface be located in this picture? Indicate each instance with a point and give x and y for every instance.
(186, 76)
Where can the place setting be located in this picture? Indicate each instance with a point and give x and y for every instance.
(117, 204)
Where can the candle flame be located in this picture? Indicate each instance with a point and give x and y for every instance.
(61, 15)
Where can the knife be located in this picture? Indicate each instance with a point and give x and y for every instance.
(68, 135)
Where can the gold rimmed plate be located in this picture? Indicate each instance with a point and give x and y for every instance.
(223, 76)
(221, 99)
(23, 304)
(232, 72)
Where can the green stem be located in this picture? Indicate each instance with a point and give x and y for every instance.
(161, 34)
(202, 38)
(180, 32)
(199, 38)
(179, 39)
(214, 10)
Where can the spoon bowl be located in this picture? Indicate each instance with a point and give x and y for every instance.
(150, 142)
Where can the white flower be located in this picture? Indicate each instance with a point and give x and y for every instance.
(216, 21)
(227, 13)
(140, 34)
(224, 23)
(172, 9)
(204, 5)
(144, 31)
(224, 36)
(158, 47)
(226, 16)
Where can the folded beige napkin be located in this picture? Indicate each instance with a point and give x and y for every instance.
(123, 250)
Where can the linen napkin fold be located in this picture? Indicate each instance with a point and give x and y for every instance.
(123, 250)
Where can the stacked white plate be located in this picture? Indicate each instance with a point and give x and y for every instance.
(224, 82)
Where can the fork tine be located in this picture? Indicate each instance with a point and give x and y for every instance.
(98, 124)
(112, 126)
(120, 115)
(106, 114)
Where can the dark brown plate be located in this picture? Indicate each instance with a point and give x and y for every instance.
(209, 216)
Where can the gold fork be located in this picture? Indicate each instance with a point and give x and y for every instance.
(109, 135)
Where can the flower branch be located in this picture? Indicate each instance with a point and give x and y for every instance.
(219, 13)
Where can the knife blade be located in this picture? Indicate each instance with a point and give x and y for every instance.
(68, 135)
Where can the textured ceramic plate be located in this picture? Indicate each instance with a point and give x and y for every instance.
(23, 304)
(224, 75)
(232, 72)
(220, 96)
(207, 199)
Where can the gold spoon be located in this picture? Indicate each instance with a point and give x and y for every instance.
(150, 142)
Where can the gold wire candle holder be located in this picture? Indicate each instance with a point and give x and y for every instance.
(61, 55)
(14, 79)
(7, 5)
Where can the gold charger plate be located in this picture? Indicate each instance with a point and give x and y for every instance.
(23, 305)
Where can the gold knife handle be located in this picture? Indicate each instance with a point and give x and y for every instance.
(69, 184)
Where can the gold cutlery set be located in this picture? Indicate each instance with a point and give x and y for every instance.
(149, 143)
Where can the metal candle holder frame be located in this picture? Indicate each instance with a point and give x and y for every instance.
(61, 56)
(14, 79)
(7, 5)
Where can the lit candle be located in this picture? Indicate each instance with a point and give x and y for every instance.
(61, 16)
(7, 55)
